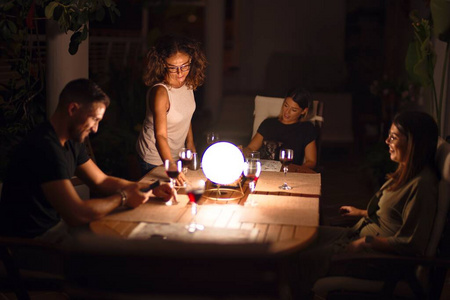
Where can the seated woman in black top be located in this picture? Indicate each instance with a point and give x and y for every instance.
(288, 131)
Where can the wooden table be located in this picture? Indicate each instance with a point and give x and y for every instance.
(224, 214)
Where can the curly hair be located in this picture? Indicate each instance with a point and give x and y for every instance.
(167, 46)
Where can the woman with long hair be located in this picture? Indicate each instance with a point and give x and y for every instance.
(174, 69)
(399, 217)
(288, 131)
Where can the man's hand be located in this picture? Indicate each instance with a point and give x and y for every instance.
(163, 191)
(135, 196)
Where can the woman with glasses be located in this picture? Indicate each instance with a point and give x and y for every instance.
(174, 69)
(398, 219)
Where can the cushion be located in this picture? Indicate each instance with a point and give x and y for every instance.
(265, 107)
(443, 165)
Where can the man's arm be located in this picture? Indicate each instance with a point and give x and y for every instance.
(91, 174)
(62, 196)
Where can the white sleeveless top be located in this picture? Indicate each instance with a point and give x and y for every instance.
(181, 109)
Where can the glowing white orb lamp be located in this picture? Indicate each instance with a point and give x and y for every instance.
(222, 164)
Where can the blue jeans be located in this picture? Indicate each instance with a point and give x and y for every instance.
(145, 166)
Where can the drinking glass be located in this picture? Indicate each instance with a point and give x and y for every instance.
(254, 154)
(195, 191)
(286, 157)
(186, 156)
(252, 170)
(212, 137)
(173, 170)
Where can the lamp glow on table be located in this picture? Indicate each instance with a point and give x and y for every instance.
(222, 164)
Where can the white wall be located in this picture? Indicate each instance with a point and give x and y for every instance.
(285, 42)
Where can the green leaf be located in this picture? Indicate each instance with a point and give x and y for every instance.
(49, 10)
(411, 58)
(5, 32)
(84, 33)
(58, 13)
(8, 6)
(12, 27)
(73, 47)
(83, 18)
(76, 37)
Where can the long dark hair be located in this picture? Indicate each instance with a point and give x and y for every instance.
(421, 132)
(300, 96)
(155, 70)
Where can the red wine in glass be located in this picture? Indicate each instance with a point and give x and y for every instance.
(286, 157)
(186, 162)
(172, 174)
(251, 177)
(195, 195)
(286, 161)
(252, 170)
(195, 191)
(172, 170)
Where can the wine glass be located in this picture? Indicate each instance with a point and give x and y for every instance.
(195, 191)
(254, 154)
(173, 170)
(286, 157)
(212, 137)
(252, 170)
(186, 156)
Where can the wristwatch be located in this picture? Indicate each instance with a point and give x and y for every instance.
(123, 199)
(369, 239)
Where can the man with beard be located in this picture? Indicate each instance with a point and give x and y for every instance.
(38, 199)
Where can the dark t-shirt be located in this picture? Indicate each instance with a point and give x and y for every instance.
(39, 158)
(277, 135)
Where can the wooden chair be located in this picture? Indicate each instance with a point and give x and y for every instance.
(106, 268)
(30, 267)
(268, 107)
(416, 277)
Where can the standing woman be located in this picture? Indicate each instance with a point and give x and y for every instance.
(175, 67)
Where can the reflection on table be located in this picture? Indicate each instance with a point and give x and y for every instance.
(287, 220)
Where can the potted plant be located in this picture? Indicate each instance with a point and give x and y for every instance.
(22, 97)
(421, 56)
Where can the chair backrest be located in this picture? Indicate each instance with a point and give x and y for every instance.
(443, 166)
(267, 107)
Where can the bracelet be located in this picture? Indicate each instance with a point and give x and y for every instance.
(123, 200)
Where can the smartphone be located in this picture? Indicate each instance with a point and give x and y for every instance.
(151, 186)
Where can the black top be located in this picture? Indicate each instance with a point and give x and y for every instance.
(39, 158)
(277, 135)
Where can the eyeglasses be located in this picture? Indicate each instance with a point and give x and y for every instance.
(183, 68)
(391, 138)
